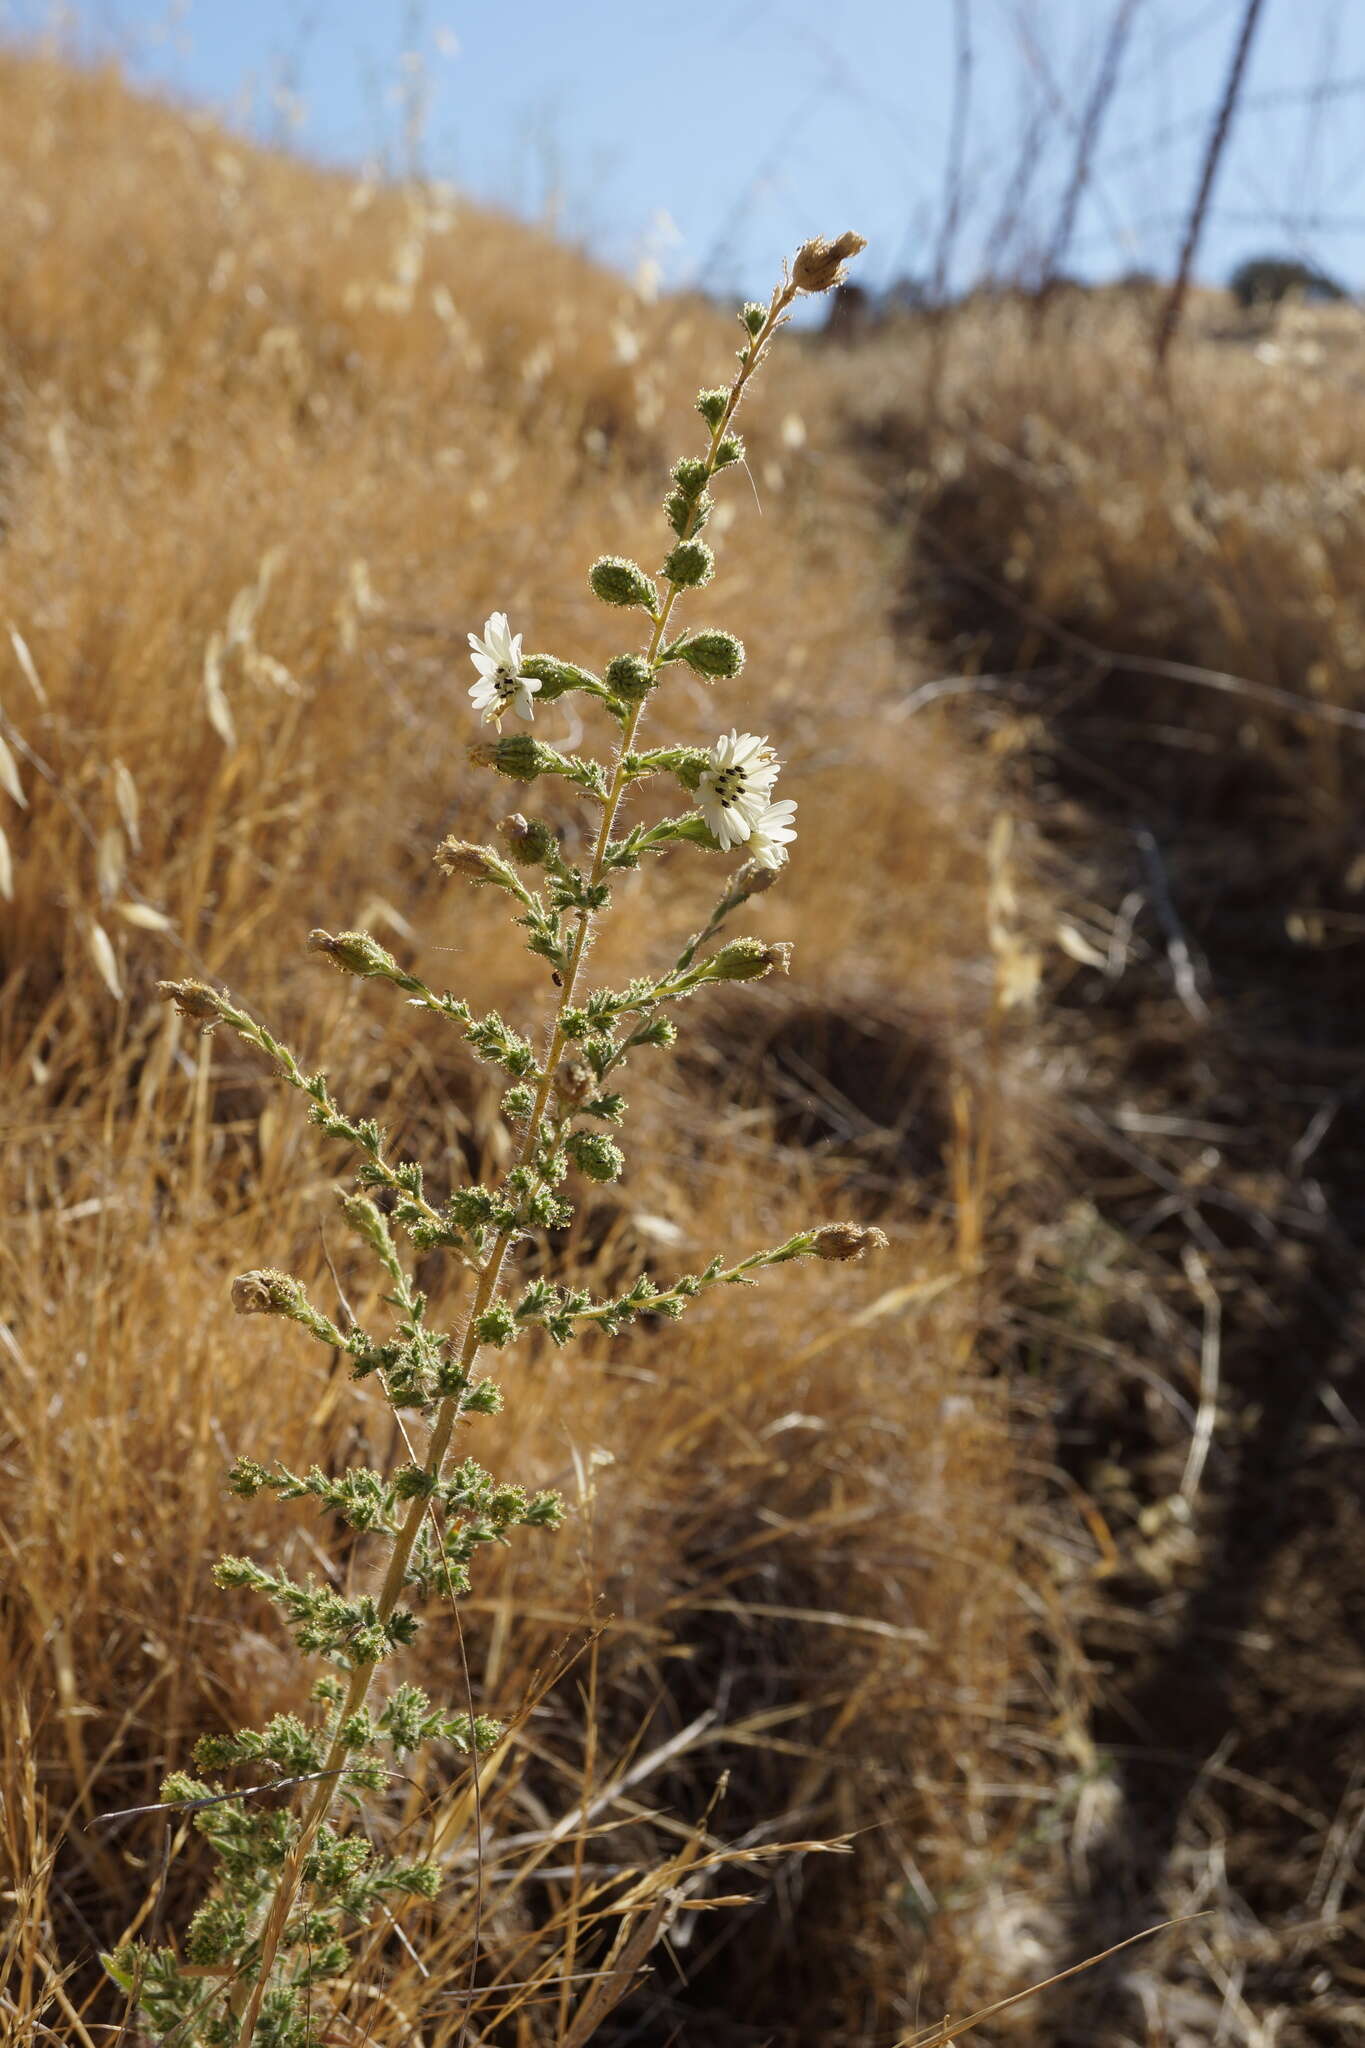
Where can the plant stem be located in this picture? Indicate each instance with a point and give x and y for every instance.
(490, 1276)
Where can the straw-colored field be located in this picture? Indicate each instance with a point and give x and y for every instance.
(873, 1556)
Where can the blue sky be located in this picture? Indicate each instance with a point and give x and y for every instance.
(710, 136)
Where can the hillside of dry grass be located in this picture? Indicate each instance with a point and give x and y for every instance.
(271, 442)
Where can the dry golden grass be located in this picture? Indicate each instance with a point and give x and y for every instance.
(1064, 507)
(336, 426)
(1146, 601)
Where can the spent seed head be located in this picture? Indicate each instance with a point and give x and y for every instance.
(819, 264)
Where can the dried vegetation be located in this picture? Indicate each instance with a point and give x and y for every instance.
(1035, 1570)
(1146, 599)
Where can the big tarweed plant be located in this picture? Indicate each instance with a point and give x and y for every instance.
(294, 1882)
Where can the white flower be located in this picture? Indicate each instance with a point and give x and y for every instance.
(737, 787)
(771, 833)
(501, 685)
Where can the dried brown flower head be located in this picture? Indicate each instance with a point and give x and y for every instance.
(193, 999)
(848, 1241)
(264, 1292)
(819, 265)
(460, 857)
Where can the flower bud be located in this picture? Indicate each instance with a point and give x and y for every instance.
(194, 999)
(748, 960)
(753, 317)
(840, 1241)
(711, 405)
(630, 677)
(710, 653)
(819, 264)
(690, 564)
(265, 1292)
(367, 1220)
(689, 474)
(471, 863)
(353, 952)
(688, 515)
(729, 448)
(615, 580)
(515, 754)
(527, 840)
